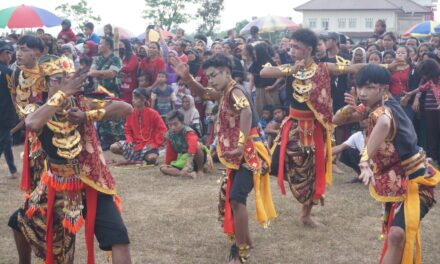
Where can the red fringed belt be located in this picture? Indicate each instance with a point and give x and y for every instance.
(310, 131)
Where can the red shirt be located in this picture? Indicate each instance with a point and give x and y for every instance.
(399, 82)
(67, 34)
(128, 78)
(145, 128)
(152, 67)
(191, 139)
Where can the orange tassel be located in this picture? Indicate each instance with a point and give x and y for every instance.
(30, 212)
(118, 202)
(42, 211)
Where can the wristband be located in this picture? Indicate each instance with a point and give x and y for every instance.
(241, 139)
(57, 99)
(364, 155)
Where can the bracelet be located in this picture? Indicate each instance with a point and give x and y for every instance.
(360, 108)
(95, 115)
(241, 139)
(342, 69)
(344, 112)
(364, 155)
(57, 99)
(384, 66)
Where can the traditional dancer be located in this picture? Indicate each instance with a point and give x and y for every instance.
(305, 138)
(77, 182)
(240, 149)
(392, 163)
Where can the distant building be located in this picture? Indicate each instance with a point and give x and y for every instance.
(356, 18)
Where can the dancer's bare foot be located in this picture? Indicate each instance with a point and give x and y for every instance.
(310, 222)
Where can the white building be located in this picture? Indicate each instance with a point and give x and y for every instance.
(356, 18)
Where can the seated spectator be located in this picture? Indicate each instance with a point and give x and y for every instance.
(185, 156)
(266, 116)
(350, 150)
(163, 96)
(182, 90)
(85, 62)
(273, 127)
(90, 49)
(192, 117)
(144, 132)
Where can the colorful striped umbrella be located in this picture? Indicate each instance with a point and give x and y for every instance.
(27, 17)
(270, 24)
(422, 29)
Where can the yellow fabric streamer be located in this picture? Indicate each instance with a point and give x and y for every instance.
(265, 209)
(412, 216)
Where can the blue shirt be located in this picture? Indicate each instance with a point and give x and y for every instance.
(94, 38)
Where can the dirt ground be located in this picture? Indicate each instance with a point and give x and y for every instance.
(174, 220)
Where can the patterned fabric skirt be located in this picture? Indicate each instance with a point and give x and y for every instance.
(131, 154)
(34, 230)
(299, 167)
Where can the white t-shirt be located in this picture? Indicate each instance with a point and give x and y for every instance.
(356, 141)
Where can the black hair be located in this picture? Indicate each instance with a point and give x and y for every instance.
(372, 74)
(109, 41)
(254, 30)
(408, 58)
(382, 23)
(262, 55)
(128, 49)
(389, 52)
(432, 55)
(376, 37)
(218, 61)
(374, 52)
(111, 29)
(89, 25)
(230, 31)
(373, 45)
(13, 36)
(417, 41)
(391, 35)
(250, 51)
(268, 108)
(147, 77)
(40, 30)
(150, 27)
(419, 48)
(176, 114)
(429, 69)
(201, 37)
(207, 53)
(31, 42)
(278, 107)
(86, 60)
(163, 72)
(307, 37)
(230, 44)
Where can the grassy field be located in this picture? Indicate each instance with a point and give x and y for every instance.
(174, 220)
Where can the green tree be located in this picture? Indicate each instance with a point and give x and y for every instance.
(78, 13)
(240, 25)
(209, 12)
(167, 13)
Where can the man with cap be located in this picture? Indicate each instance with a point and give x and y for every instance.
(66, 31)
(144, 131)
(7, 115)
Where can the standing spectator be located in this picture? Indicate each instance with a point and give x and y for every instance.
(128, 70)
(380, 28)
(90, 35)
(374, 57)
(412, 42)
(67, 32)
(108, 31)
(7, 114)
(90, 49)
(389, 41)
(434, 40)
(163, 96)
(105, 68)
(69, 51)
(284, 51)
(255, 35)
(40, 32)
(153, 63)
(266, 92)
(180, 34)
(180, 48)
(389, 57)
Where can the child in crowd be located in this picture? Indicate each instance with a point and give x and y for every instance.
(181, 91)
(273, 127)
(374, 57)
(266, 116)
(389, 57)
(185, 155)
(162, 96)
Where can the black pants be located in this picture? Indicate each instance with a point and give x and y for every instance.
(6, 148)
(432, 119)
(351, 158)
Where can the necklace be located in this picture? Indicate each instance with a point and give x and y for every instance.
(303, 84)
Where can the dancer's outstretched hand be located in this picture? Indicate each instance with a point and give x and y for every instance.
(367, 174)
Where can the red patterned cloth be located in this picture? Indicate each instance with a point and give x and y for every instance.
(389, 173)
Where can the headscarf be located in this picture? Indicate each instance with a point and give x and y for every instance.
(93, 48)
(70, 48)
(191, 115)
(364, 55)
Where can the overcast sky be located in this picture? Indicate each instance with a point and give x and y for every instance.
(129, 14)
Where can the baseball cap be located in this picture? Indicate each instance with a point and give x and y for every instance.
(6, 47)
